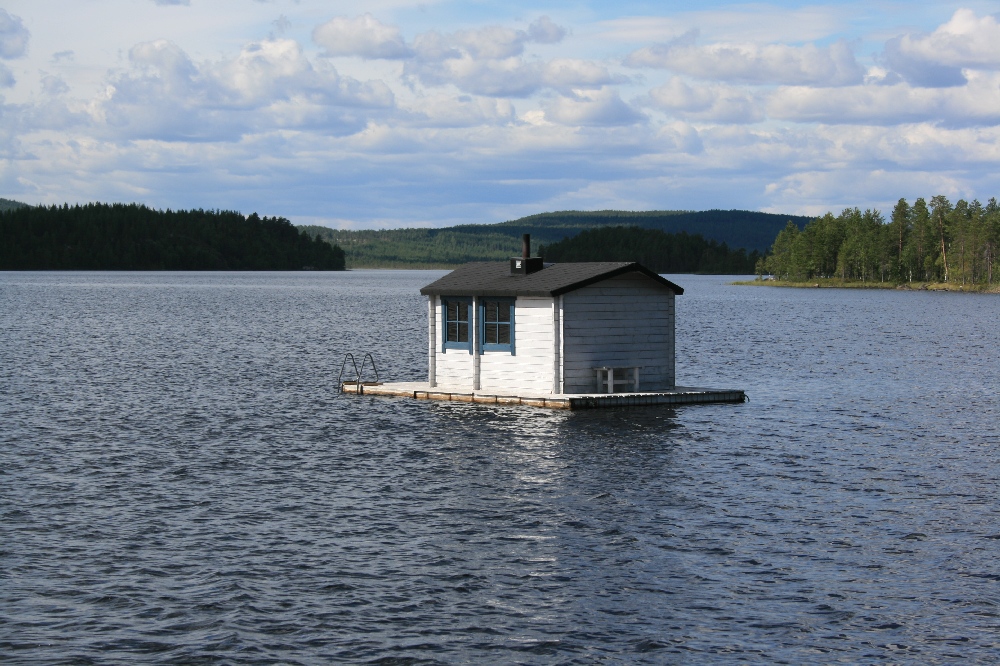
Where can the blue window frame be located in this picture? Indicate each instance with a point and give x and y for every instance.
(496, 324)
(456, 324)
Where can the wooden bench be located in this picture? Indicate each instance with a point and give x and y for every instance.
(609, 379)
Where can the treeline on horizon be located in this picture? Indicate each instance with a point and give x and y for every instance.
(936, 242)
(10, 204)
(417, 248)
(748, 229)
(443, 247)
(657, 250)
(100, 236)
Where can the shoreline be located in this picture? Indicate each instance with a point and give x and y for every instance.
(830, 283)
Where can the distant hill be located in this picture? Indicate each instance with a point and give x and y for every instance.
(657, 250)
(426, 248)
(132, 237)
(10, 204)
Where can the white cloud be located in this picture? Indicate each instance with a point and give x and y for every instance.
(714, 103)
(977, 103)
(484, 61)
(509, 77)
(164, 60)
(565, 73)
(757, 23)
(489, 43)
(363, 36)
(411, 118)
(681, 137)
(834, 65)
(367, 37)
(272, 70)
(490, 61)
(54, 85)
(809, 192)
(937, 59)
(544, 31)
(269, 84)
(433, 46)
(464, 111)
(13, 36)
(601, 107)
(281, 25)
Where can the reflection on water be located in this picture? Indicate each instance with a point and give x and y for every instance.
(181, 481)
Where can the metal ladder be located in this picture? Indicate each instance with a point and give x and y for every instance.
(358, 383)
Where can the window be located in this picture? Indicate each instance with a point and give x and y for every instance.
(456, 332)
(497, 325)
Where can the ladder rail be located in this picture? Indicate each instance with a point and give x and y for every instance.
(368, 357)
(358, 374)
(348, 357)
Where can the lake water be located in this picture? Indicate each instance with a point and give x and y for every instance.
(181, 482)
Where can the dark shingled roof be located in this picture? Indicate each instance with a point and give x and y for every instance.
(494, 279)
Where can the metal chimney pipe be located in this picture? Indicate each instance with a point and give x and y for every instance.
(525, 246)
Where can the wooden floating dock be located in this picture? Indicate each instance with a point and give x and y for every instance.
(681, 395)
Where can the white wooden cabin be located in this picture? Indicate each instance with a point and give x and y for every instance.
(564, 328)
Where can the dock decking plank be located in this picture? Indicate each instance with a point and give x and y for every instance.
(422, 391)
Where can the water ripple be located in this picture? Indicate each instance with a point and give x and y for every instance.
(179, 481)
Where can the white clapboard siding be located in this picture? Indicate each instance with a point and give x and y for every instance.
(530, 368)
(454, 368)
(620, 322)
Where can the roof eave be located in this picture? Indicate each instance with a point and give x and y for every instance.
(630, 268)
(511, 290)
(499, 293)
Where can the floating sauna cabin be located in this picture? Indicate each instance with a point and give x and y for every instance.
(563, 335)
(551, 328)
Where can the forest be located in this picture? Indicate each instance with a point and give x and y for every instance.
(101, 236)
(935, 242)
(752, 230)
(10, 204)
(657, 250)
(443, 247)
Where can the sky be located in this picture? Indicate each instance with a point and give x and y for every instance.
(389, 114)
